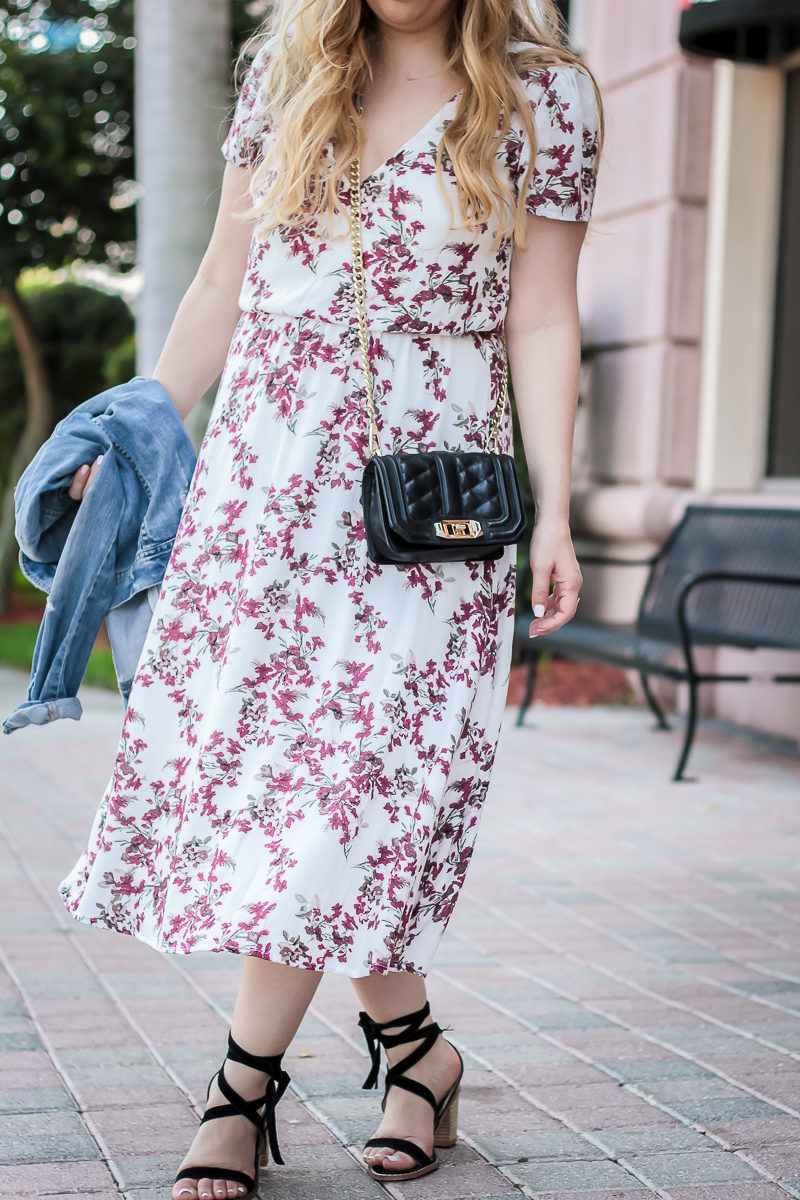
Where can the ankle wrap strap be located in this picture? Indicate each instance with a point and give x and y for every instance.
(278, 1082)
(269, 1064)
(410, 1031)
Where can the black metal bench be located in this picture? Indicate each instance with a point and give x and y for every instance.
(725, 576)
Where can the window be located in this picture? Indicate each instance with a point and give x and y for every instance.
(783, 446)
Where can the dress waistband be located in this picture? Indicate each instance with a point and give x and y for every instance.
(418, 330)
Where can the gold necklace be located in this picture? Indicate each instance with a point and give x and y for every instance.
(409, 79)
(415, 78)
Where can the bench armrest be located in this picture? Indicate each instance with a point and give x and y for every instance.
(613, 561)
(690, 582)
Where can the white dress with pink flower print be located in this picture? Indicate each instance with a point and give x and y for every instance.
(309, 738)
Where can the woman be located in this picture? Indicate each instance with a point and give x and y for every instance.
(309, 736)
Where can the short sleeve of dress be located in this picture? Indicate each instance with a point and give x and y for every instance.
(562, 184)
(249, 125)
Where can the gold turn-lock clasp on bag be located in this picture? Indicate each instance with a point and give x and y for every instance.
(456, 528)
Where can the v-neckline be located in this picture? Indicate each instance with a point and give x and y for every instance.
(401, 149)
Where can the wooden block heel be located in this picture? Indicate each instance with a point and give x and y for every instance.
(446, 1134)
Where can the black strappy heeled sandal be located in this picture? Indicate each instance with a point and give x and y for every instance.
(259, 1112)
(445, 1111)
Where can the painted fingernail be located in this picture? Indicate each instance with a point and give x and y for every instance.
(538, 610)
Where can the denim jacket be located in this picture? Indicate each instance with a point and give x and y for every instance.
(102, 557)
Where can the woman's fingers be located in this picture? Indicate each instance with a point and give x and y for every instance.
(541, 600)
(92, 473)
(78, 483)
(82, 479)
(553, 559)
(559, 608)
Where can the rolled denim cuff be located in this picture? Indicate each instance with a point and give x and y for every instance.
(42, 712)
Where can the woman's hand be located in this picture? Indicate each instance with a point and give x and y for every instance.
(81, 480)
(553, 557)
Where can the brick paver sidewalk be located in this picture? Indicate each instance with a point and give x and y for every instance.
(622, 976)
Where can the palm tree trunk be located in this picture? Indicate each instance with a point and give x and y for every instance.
(38, 424)
(183, 75)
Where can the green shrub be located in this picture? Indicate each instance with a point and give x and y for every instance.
(80, 328)
(119, 363)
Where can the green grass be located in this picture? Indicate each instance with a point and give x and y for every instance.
(16, 650)
(20, 585)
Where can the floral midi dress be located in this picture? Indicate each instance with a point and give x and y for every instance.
(309, 738)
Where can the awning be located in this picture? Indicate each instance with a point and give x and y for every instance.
(758, 31)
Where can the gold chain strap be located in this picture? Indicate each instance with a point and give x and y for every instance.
(360, 290)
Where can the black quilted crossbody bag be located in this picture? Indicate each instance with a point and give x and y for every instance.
(438, 505)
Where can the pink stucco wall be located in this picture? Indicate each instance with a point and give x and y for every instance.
(642, 272)
(641, 291)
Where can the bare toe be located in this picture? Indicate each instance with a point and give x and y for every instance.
(395, 1160)
(387, 1159)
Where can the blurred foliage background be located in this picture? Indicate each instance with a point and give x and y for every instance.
(67, 199)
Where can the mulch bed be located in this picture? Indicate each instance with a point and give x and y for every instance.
(22, 608)
(561, 682)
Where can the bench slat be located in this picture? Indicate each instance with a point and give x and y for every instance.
(617, 645)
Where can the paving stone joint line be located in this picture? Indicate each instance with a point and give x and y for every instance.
(632, 1088)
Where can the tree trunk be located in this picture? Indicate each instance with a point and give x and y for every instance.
(183, 78)
(38, 424)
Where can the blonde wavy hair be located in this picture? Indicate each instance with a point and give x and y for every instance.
(324, 51)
